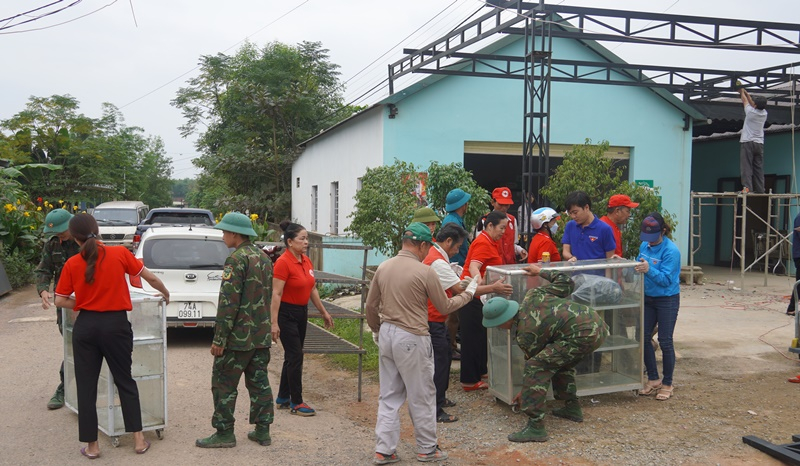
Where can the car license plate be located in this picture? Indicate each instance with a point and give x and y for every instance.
(190, 310)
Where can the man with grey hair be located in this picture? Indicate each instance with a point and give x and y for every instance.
(751, 154)
(397, 314)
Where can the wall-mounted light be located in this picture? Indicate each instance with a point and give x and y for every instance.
(392, 111)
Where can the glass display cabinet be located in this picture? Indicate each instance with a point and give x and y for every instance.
(611, 287)
(149, 369)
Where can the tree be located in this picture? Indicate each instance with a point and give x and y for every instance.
(444, 178)
(251, 110)
(387, 200)
(586, 168)
(385, 205)
(100, 159)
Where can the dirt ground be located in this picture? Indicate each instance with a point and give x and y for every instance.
(730, 382)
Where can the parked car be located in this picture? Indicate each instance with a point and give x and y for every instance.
(189, 260)
(118, 220)
(172, 216)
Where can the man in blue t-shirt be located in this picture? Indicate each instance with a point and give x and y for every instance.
(585, 236)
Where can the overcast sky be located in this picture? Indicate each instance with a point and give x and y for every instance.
(106, 57)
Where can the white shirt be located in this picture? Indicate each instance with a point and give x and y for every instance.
(753, 129)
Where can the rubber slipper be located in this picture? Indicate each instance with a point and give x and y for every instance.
(444, 417)
(143, 450)
(89, 455)
(448, 403)
(480, 385)
(794, 379)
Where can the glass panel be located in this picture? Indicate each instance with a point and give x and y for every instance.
(614, 290)
(185, 253)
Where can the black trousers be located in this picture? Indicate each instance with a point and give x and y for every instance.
(293, 321)
(59, 316)
(474, 356)
(796, 277)
(98, 335)
(440, 340)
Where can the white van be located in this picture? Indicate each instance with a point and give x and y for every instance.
(118, 220)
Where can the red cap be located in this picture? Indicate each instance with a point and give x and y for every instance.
(502, 195)
(621, 200)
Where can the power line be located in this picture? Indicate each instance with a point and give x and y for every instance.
(26, 13)
(65, 22)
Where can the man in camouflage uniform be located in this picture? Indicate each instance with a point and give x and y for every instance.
(555, 334)
(55, 253)
(241, 336)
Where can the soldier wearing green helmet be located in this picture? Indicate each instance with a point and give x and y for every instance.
(242, 336)
(427, 216)
(58, 248)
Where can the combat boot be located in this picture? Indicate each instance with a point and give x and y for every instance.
(219, 439)
(571, 411)
(533, 432)
(260, 435)
(57, 401)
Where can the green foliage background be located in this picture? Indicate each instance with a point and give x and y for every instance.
(386, 201)
(101, 159)
(586, 168)
(250, 111)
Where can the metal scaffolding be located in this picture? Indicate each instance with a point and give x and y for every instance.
(777, 236)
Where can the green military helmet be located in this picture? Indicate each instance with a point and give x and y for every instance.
(498, 311)
(57, 221)
(425, 215)
(237, 223)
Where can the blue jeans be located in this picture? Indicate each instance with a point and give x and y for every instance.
(662, 310)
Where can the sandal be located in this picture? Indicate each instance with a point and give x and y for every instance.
(795, 379)
(650, 389)
(444, 417)
(664, 393)
(448, 403)
(479, 385)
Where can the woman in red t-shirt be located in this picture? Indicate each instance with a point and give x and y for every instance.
(102, 330)
(483, 252)
(544, 222)
(293, 283)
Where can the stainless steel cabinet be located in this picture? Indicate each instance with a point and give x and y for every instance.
(149, 369)
(615, 366)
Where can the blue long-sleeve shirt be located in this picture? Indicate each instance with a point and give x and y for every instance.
(663, 277)
(453, 217)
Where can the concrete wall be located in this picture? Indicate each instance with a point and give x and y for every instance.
(341, 156)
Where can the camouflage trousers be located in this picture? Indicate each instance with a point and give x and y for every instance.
(554, 363)
(225, 377)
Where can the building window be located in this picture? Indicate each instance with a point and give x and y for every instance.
(335, 208)
(298, 181)
(358, 184)
(314, 207)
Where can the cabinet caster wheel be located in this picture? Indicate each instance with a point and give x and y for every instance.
(115, 442)
(160, 434)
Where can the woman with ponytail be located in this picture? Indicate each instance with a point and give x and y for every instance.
(102, 331)
(293, 284)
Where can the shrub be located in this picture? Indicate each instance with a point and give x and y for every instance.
(19, 268)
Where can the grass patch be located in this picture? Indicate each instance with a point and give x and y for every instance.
(348, 330)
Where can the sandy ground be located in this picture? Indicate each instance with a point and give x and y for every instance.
(730, 381)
